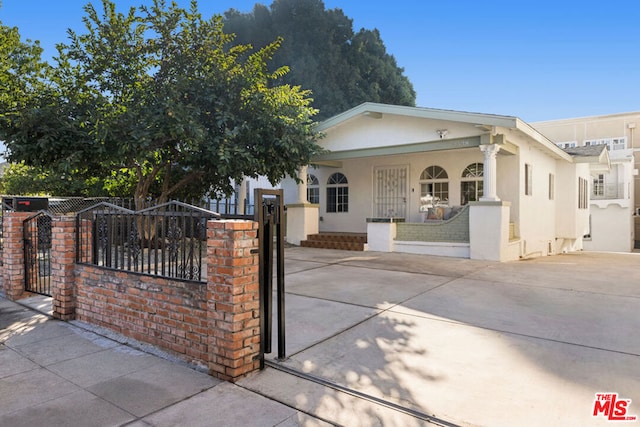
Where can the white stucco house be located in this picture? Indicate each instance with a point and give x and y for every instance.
(444, 182)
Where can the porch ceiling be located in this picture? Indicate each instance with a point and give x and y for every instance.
(420, 147)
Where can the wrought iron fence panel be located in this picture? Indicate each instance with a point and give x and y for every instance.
(167, 240)
(37, 253)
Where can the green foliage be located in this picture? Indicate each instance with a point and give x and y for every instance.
(21, 73)
(20, 179)
(158, 101)
(342, 68)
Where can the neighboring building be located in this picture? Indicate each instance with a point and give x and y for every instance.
(242, 201)
(444, 182)
(615, 191)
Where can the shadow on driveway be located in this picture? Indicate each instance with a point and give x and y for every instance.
(474, 343)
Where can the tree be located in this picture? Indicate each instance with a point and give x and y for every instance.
(163, 96)
(21, 179)
(21, 73)
(342, 68)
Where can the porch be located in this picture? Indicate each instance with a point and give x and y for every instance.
(451, 237)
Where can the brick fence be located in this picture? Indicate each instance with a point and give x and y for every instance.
(213, 324)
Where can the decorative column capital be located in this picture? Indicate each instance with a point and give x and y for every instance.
(490, 149)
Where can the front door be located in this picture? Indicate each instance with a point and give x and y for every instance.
(390, 191)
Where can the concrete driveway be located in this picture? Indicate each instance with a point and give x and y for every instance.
(404, 340)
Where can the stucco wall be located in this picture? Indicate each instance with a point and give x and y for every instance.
(571, 226)
(609, 227)
(537, 213)
(509, 184)
(581, 128)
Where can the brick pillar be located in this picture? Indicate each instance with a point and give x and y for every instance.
(63, 252)
(13, 254)
(85, 242)
(233, 299)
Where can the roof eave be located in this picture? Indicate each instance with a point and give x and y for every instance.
(418, 112)
(531, 132)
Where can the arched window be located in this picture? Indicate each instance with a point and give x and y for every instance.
(434, 185)
(337, 193)
(313, 189)
(471, 183)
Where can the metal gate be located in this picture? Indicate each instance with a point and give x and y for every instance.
(269, 213)
(390, 191)
(37, 253)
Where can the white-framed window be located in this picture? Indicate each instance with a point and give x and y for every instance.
(568, 144)
(552, 186)
(598, 185)
(617, 143)
(337, 193)
(528, 179)
(313, 189)
(434, 182)
(471, 185)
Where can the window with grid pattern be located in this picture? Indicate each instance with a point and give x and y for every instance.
(313, 189)
(337, 193)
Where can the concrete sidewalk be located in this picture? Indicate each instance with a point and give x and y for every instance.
(57, 374)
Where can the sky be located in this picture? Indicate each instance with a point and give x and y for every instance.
(537, 60)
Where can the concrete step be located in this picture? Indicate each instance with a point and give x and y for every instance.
(343, 241)
(345, 246)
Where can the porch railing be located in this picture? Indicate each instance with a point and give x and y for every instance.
(455, 229)
(607, 191)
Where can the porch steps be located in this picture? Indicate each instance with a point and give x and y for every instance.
(343, 241)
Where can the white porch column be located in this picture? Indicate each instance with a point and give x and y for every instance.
(302, 186)
(490, 173)
(302, 216)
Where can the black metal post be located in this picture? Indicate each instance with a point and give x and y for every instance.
(259, 214)
(280, 276)
(269, 213)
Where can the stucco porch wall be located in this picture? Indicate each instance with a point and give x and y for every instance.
(455, 230)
